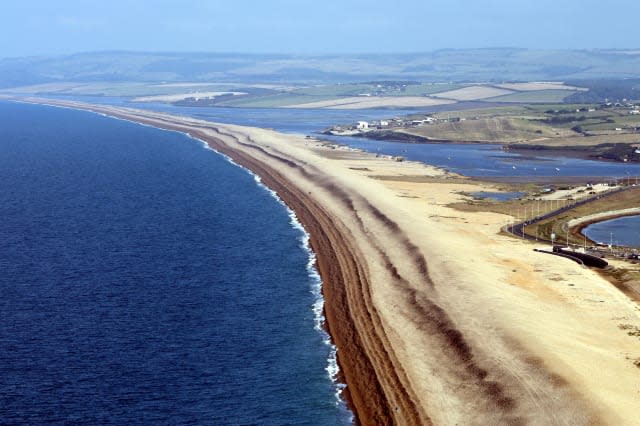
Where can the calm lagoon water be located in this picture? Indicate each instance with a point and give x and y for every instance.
(498, 196)
(621, 231)
(146, 279)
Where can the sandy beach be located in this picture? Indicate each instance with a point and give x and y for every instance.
(437, 317)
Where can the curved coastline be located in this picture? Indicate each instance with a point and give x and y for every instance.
(577, 226)
(330, 243)
(363, 391)
(332, 368)
(448, 342)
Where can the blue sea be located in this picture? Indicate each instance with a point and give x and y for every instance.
(623, 231)
(147, 279)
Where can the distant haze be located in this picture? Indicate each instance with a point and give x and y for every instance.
(452, 65)
(43, 27)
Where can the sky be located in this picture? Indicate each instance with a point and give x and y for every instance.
(46, 27)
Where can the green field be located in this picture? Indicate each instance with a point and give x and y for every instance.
(550, 125)
(127, 89)
(497, 129)
(537, 96)
(277, 100)
(376, 89)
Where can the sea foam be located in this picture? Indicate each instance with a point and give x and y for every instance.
(332, 368)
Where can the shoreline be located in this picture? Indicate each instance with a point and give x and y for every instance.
(368, 404)
(577, 226)
(437, 318)
(332, 368)
(582, 152)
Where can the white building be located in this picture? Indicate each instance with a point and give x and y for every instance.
(362, 125)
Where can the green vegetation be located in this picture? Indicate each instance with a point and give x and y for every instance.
(534, 96)
(378, 88)
(335, 91)
(558, 224)
(255, 95)
(286, 80)
(272, 100)
(608, 130)
(430, 89)
(494, 129)
(131, 89)
(606, 90)
(624, 275)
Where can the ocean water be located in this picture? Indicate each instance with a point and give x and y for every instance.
(621, 231)
(146, 279)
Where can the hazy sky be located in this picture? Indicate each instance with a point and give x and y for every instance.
(37, 27)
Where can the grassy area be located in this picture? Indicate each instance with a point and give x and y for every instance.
(535, 125)
(534, 96)
(335, 90)
(499, 129)
(558, 224)
(559, 108)
(503, 111)
(623, 274)
(309, 94)
(430, 89)
(529, 206)
(276, 95)
(130, 89)
(274, 100)
(143, 89)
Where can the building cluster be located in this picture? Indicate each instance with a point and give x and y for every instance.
(389, 124)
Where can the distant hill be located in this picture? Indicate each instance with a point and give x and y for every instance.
(477, 65)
